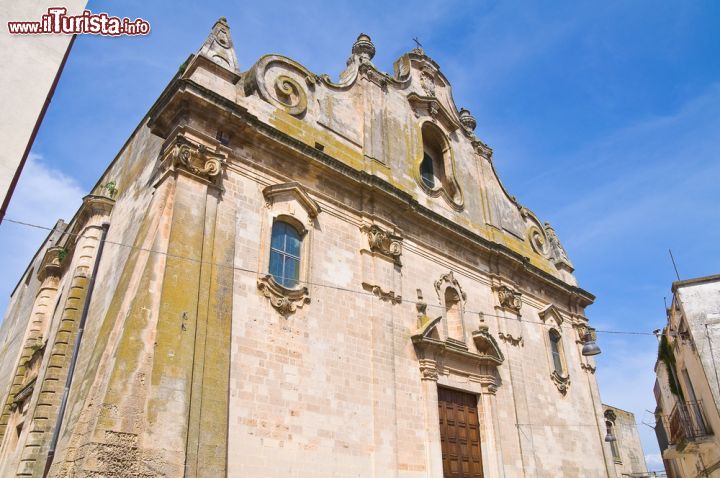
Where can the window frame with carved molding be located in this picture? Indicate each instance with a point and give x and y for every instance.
(436, 153)
(561, 378)
(557, 354)
(455, 311)
(287, 203)
(610, 429)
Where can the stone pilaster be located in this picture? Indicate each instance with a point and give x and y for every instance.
(163, 408)
(45, 413)
(34, 341)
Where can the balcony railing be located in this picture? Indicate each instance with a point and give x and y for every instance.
(687, 422)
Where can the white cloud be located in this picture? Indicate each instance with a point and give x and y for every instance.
(654, 462)
(43, 195)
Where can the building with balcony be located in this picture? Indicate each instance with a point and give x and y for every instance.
(686, 388)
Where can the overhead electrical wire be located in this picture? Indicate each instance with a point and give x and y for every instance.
(343, 289)
(310, 283)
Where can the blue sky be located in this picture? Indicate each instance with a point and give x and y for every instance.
(604, 118)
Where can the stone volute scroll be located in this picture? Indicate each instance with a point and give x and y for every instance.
(383, 241)
(285, 301)
(189, 156)
(281, 82)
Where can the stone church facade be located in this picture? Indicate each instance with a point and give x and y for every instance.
(285, 275)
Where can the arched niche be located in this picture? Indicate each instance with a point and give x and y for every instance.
(435, 170)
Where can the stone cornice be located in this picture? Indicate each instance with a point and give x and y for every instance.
(181, 86)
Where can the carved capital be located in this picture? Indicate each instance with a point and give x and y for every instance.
(509, 298)
(387, 296)
(383, 242)
(286, 301)
(428, 370)
(51, 265)
(195, 159)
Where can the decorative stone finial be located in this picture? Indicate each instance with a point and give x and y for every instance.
(363, 47)
(219, 46)
(467, 120)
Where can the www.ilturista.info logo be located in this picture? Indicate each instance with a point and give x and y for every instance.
(57, 21)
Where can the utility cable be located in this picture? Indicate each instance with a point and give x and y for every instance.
(309, 283)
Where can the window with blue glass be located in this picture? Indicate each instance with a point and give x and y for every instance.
(427, 171)
(556, 352)
(285, 254)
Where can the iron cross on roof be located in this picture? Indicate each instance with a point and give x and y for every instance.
(417, 42)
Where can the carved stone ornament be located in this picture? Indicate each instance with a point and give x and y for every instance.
(508, 298)
(427, 81)
(286, 301)
(51, 265)
(561, 382)
(377, 77)
(387, 296)
(588, 367)
(196, 159)
(467, 120)
(581, 328)
(448, 280)
(383, 242)
(279, 81)
(537, 240)
(363, 48)
(486, 344)
(557, 250)
(218, 46)
(515, 341)
(421, 305)
(481, 366)
(298, 192)
(482, 149)
(610, 415)
(428, 370)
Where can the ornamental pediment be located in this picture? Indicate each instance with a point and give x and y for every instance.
(297, 192)
(551, 313)
(429, 345)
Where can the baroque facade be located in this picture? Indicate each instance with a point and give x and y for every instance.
(686, 387)
(285, 275)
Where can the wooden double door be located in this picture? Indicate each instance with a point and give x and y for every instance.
(459, 434)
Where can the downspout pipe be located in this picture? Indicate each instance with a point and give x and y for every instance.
(76, 350)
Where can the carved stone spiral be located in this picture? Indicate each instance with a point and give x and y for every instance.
(291, 95)
(537, 240)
